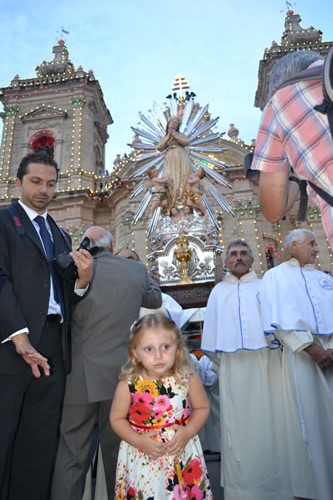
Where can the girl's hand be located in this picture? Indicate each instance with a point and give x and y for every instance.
(151, 447)
(179, 440)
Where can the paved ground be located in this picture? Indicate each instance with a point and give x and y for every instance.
(213, 466)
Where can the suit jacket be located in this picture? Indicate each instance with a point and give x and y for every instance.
(101, 326)
(25, 283)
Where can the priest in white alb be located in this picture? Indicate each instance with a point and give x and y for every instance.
(253, 466)
(297, 308)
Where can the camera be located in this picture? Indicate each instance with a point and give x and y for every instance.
(65, 263)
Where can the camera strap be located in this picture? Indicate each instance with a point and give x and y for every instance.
(16, 218)
(12, 209)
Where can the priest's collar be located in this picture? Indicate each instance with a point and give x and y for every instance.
(250, 276)
(294, 262)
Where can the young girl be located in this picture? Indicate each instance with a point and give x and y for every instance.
(160, 456)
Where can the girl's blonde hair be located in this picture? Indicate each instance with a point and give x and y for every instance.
(133, 367)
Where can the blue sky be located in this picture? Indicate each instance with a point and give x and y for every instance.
(137, 47)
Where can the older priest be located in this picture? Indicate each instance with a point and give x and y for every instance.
(251, 458)
(297, 305)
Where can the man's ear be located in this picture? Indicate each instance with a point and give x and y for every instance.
(293, 246)
(18, 182)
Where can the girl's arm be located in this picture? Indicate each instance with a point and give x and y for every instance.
(200, 412)
(121, 426)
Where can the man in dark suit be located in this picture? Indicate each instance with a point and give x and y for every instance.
(100, 333)
(34, 320)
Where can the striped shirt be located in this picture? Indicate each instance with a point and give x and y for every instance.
(293, 134)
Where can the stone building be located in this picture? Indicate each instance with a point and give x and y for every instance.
(63, 108)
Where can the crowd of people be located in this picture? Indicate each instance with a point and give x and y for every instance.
(93, 361)
(69, 321)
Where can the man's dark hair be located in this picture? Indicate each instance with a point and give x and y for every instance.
(40, 157)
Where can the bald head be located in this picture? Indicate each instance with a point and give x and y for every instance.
(99, 237)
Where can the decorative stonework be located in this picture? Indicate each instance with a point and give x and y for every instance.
(56, 100)
(60, 65)
(294, 33)
(294, 38)
(44, 112)
(91, 193)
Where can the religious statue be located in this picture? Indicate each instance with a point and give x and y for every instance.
(177, 162)
(193, 195)
(159, 191)
(177, 141)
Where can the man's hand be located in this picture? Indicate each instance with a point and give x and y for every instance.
(84, 263)
(329, 358)
(324, 359)
(30, 355)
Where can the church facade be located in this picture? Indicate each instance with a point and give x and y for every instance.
(63, 108)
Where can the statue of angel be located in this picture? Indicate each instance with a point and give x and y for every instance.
(159, 191)
(193, 195)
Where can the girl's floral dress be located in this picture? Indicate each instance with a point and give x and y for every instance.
(157, 405)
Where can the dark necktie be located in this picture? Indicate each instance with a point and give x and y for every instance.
(46, 238)
(49, 251)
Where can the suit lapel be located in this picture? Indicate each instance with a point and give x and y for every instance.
(60, 240)
(24, 225)
(28, 227)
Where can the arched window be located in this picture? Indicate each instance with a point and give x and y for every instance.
(43, 140)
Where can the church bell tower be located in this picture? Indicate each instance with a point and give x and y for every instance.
(63, 109)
